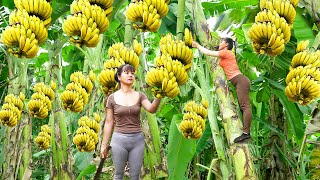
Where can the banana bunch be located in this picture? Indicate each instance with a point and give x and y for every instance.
(171, 66)
(302, 71)
(106, 78)
(281, 25)
(188, 37)
(82, 31)
(128, 55)
(283, 7)
(106, 5)
(31, 23)
(77, 92)
(86, 137)
(190, 129)
(44, 137)
(20, 41)
(177, 49)
(85, 81)
(40, 103)
(305, 58)
(193, 122)
(94, 12)
(110, 67)
(198, 119)
(27, 28)
(11, 110)
(146, 14)
(174, 66)
(39, 8)
(303, 90)
(272, 27)
(155, 76)
(137, 47)
(303, 79)
(88, 19)
(170, 87)
(192, 106)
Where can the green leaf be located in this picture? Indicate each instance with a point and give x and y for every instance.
(222, 5)
(205, 139)
(165, 110)
(294, 116)
(180, 151)
(82, 159)
(86, 171)
(301, 27)
(9, 4)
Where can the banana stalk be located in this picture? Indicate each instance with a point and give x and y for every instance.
(59, 138)
(180, 19)
(240, 153)
(278, 169)
(17, 146)
(128, 34)
(212, 118)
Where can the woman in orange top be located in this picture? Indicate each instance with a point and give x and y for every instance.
(242, 84)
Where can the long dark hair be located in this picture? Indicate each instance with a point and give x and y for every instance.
(231, 43)
(124, 67)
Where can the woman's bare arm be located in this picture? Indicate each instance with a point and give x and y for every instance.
(204, 50)
(107, 132)
(151, 107)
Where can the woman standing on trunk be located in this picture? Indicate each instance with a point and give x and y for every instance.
(242, 84)
(123, 123)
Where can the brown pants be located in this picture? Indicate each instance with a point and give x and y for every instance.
(242, 85)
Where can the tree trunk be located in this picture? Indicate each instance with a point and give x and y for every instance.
(275, 168)
(17, 143)
(61, 166)
(240, 153)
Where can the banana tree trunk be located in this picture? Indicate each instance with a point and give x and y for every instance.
(61, 167)
(17, 143)
(240, 153)
(275, 168)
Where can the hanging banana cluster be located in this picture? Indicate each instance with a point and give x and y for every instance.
(178, 49)
(40, 103)
(314, 164)
(77, 92)
(44, 137)
(272, 27)
(86, 137)
(194, 120)
(88, 19)
(28, 27)
(146, 14)
(303, 79)
(171, 68)
(10, 112)
(128, 55)
(166, 77)
(106, 77)
(119, 55)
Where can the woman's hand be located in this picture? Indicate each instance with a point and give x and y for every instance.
(104, 150)
(195, 44)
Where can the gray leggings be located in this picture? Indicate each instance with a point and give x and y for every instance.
(127, 147)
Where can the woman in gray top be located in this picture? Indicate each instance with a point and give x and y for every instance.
(123, 119)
